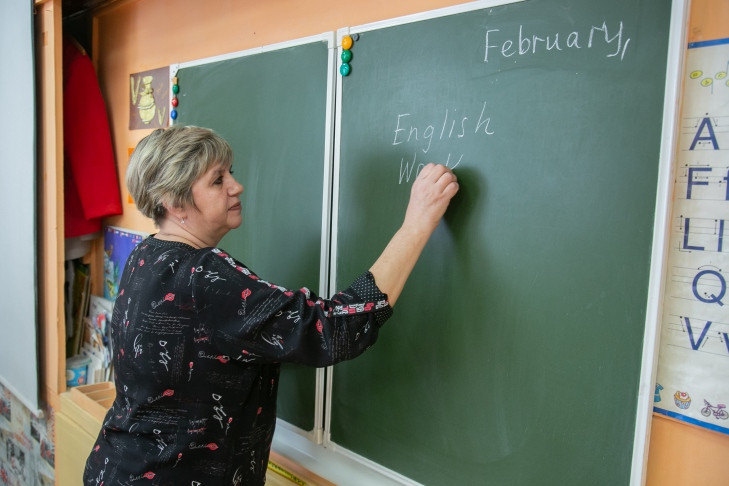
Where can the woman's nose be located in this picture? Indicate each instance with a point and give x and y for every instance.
(236, 188)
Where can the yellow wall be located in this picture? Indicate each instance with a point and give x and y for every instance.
(134, 35)
(709, 20)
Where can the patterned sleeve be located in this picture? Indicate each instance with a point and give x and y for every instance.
(257, 321)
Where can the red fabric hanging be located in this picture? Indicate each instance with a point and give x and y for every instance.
(90, 180)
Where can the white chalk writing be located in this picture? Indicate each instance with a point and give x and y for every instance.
(510, 44)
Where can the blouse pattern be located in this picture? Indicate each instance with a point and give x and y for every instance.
(198, 339)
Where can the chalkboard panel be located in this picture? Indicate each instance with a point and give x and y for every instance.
(271, 106)
(515, 351)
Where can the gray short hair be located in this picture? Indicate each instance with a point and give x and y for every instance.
(166, 163)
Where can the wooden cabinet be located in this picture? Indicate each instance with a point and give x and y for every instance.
(78, 421)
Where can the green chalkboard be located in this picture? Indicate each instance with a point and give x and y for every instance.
(515, 351)
(271, 106)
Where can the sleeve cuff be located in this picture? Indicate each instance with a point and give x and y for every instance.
(366, 289)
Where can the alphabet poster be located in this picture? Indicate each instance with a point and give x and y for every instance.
(692, 382)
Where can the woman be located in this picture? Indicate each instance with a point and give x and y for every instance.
(198, 337)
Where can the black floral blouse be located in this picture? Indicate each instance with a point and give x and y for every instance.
(197, 341)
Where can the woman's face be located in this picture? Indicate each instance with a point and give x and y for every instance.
(217, 197)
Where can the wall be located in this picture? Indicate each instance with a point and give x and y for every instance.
(133, 36)
(17, 136)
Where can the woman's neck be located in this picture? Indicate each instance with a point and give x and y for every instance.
(180, 239)
(172, 231)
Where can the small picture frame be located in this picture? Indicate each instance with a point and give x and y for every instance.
(149, 99)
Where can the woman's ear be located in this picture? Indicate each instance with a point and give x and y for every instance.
(176, 213)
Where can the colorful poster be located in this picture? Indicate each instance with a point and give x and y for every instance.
(692, 381)
(118, 245)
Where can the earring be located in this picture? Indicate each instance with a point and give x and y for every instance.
(182, 220)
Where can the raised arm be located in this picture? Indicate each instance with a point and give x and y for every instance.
(429, 198)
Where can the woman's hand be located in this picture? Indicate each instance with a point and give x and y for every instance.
(430, 195)
(432, 190)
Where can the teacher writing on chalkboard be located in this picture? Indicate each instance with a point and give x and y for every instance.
(198, 337)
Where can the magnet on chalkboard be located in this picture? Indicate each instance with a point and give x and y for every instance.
(344, 69)
(346, 55)
(174, 101)
(346, 42)
(355, 37)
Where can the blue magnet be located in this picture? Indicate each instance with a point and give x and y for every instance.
(173, 114)
(344, 69)
(346, 55)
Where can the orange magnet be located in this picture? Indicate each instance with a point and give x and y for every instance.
(346, 42)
